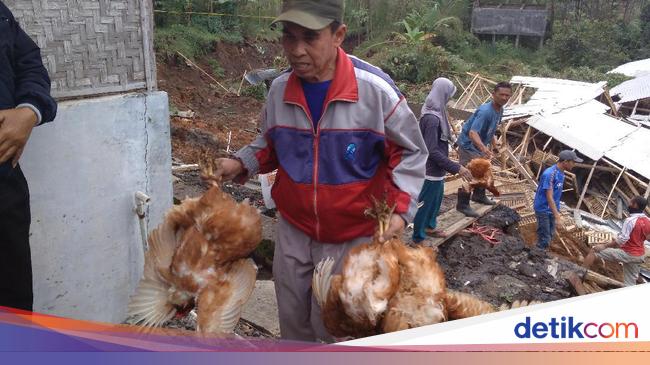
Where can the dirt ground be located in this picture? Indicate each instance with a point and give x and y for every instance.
(217, 113)
(511, 270)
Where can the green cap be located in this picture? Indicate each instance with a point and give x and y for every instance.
(314, 15)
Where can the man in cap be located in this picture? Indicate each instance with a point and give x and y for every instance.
(339, 132)
(547, 197)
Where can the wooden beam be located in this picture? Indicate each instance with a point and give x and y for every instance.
(460, 98)
(202, 71)
(597, 168)
(521, 95)
(520, 167)
(577, 284)
(491, 82)
(185, 168)
(541, 165)
(547, 143)
(636, 105)
(630, 185)
(584, 190)
(453, 222)
(602, 279)
(470, 95)
(610, 163)
(608, 97)
(460, 83)
(526, 142)
(611, 192)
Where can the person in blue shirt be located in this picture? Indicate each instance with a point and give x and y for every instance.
(477, 135)
(547, 197)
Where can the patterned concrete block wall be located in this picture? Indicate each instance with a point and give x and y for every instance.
(91, 47)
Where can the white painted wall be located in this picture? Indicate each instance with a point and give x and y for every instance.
(83, 170)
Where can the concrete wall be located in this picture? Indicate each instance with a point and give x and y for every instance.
(83, 170)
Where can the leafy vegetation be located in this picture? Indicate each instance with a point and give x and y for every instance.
(416, 41)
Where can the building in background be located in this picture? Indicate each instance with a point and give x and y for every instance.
(498, 18)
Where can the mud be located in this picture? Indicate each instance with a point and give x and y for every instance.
(509, 271)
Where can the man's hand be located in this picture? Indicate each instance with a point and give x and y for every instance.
(487, 154)
(559, 221)
(15, 128)
(395, 228)
(226, 169)
(465, 173)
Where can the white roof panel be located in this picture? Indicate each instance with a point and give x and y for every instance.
(634, 69)
(633, 152)
(584, 128)
(553, 95)
(632, 90)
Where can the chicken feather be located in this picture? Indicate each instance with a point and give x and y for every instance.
(199, 252)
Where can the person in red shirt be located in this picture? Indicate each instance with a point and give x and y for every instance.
(628, 247)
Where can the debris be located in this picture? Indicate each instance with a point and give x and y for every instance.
(490, 234)
(188, 114)
(189, 62)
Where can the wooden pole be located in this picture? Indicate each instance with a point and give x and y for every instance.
(612, 192)
(547, 143)
(541, 165)
(576, 212)
(608, 97)
(643, 184)
(630, 185)
(636, 105)
(470, 95)
(602, 279)
(526, 142)
(520, 167)
(205, 73)
(466, 91)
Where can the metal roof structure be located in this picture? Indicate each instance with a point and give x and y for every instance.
(633, 90)
(634, 69)
(566, 110)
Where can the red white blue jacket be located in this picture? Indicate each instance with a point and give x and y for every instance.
(367, 144)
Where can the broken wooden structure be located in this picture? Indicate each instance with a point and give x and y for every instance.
(546, 116)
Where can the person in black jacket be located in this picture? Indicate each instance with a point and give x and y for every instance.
(25, 102)
(436, 131)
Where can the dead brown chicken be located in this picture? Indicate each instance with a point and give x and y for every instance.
(197, 258)
(481, 170)
(389, 287)
(353, 302)
(420, 297)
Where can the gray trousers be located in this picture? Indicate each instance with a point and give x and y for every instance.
(465, 156)
(296, 255)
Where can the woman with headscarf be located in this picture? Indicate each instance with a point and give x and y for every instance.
(436, 130)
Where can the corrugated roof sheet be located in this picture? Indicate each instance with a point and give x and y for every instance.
(566, 110)
(554, 95)
(633, 152)
(584, 128)
(634, 69)
(633, 90)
